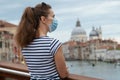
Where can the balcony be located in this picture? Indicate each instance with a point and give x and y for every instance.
(14, 71)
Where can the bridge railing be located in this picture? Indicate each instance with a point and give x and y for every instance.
(15, 71)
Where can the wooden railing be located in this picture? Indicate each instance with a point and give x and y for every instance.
(20, 72)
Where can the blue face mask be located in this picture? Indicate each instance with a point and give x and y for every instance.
(53, 26)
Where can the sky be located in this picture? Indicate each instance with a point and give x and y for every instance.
(104, 13)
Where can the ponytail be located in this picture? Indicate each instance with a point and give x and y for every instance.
(26, 30)
(28, 26)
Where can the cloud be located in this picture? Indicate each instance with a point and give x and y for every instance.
(90, 9)
(7, 8)
(111, 31)
(63, 35)
(117, 39)
(111, 28)
(16, 22)
(10, 6)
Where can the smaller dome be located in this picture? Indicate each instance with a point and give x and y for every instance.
(94, 33)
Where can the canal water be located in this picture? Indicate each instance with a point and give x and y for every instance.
(102, 70)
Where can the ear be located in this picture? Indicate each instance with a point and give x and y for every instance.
(43, 19)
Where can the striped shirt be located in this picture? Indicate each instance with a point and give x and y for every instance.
(39, 56)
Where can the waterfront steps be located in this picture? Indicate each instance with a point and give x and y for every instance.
(20, 72)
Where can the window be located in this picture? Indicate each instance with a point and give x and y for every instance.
(0, 44)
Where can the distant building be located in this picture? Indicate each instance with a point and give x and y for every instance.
(6, 26)
(7, 30)
(78, 33)
(78, 47)
(95, 34)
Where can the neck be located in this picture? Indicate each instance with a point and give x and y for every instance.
(42, 32)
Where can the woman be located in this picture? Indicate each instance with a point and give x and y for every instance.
(43, 55)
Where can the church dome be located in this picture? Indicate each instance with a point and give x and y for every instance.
(78, 33)
(94, 33)
(78, 30)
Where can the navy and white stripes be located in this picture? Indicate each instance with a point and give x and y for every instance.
(39, 56)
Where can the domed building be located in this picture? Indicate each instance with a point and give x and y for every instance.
(79, 48)
(95, 34)
(78, 33)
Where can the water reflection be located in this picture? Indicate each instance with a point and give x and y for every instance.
(106, 71)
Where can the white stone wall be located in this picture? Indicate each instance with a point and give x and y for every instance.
(80, 38)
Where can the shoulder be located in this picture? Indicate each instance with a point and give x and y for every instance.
(55, 41)
(54, 46)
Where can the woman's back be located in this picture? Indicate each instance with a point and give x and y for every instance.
(43, 55)
(39, 56)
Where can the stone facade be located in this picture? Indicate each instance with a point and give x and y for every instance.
(7, 30)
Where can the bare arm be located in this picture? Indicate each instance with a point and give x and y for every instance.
(60, 63)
